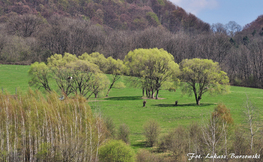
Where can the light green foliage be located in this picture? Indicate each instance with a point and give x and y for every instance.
(95, 58)
(79, 75)
(85, 56)
(153, 66)
(116, 151)
(161, 2)
(108, 66)
(201, 76)
(154, 17)
(40, 75)
(58, 60)
(115, 67)
(99, 83)
(84, 76)
(119, 85)
(61, 76)
(39, 128)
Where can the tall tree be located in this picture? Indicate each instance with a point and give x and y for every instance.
(201, 76)
(153, 66)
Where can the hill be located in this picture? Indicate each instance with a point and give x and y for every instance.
(255, 26)
(112, 14)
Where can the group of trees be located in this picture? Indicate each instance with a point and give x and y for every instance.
(42, 128)
(237, 52)
(84, 75)
(121, 15)
(150, 69)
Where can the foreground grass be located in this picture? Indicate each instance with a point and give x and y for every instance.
(14, 76)
(125, 105)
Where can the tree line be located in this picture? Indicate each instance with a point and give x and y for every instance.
(149, 69)
(30, 38)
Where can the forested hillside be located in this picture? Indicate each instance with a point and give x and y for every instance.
(112, 14)
(34, 30)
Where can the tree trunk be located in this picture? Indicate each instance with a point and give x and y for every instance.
(152, 93)
(198, 101)
(148, 93)
(157, 92)
(116, 77)
(157, 88)
(109, 89)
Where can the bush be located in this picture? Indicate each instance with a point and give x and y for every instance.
(123, 133)
(172, 89)
(119, 85)
(175, 142)
(151, 132)
(110, 127)
(146, 156)
(116, 150)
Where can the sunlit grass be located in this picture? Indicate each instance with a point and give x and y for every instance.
(125, 105)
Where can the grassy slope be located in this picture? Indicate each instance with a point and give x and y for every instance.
(125, 105)
(14, 76)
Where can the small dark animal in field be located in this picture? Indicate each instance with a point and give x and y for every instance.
(70, 77)
(176, 103)
(144, 103)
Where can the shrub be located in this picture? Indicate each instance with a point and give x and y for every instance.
(172, 89)
(116, 150)
(151, 132)
(176, 142)
(146, 156)
(123, 133)
(110, 127)
(119, 85)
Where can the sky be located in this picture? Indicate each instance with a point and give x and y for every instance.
(223, 11)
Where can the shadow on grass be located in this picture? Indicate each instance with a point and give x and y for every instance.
(182, 105)
(125, 98)
(140, 144)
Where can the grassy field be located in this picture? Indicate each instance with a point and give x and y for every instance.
(125, 105)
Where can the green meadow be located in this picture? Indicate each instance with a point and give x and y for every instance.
(125, 105)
